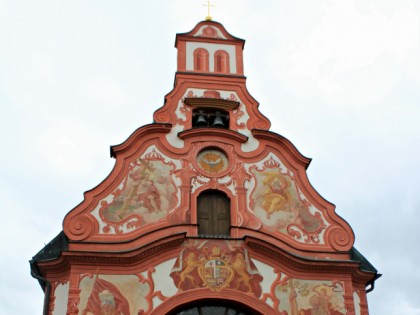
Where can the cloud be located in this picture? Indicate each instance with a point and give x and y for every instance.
(350, 52)
(106, 90)
(404, 307)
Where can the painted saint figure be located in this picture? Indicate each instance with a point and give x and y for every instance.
(276, 196)
(321, 305)
(143, 194)
(321, 302)
(147, 194)
(106, 299)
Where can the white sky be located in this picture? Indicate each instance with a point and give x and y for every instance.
(338, 78)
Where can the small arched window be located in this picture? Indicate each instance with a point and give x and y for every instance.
(213, 214)
(221, 62)
(201, 60)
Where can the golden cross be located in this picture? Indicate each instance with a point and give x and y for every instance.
(208, 5)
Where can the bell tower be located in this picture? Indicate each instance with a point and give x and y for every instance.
(210, 49)
(206, 211)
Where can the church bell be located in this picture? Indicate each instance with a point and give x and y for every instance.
(201, 120)
(218, 122)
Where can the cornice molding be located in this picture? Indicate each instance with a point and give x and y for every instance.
(156, 252)
(156, 128)
(212, 132)
(276, 138)
(295, 265)
(211, 103)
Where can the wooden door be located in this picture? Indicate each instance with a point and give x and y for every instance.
(213, 212)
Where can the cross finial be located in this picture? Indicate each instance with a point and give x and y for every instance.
(208, 5)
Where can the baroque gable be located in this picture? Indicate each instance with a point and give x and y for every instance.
(205, 208)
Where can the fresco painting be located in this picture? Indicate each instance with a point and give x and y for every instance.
(276, 201)
(112, 295)
(310, 297)
(148, 192)
(216, 265)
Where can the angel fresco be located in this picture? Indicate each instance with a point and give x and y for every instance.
(143, 194)
(277, 202)
(148, 192)
(276, 196)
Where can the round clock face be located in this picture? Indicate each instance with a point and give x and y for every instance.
(212, 161)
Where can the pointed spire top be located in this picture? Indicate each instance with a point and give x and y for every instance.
(208, 5)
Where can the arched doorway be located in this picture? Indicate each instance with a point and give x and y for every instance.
(213, 214)
(212, 309)
(217, 302)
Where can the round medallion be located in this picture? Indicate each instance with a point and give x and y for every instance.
(212, 161)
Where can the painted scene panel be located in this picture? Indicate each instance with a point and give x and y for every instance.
(112, 294)
(146, 195)
(310, 297)
(277, 201)
(216, 265)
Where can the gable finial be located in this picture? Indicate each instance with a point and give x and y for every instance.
(208, 5)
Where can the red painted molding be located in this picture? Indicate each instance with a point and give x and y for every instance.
(140, 133)
(273, 137)
(184, 81)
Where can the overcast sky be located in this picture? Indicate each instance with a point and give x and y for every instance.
(338, 78)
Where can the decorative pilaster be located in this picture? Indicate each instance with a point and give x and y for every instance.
(74, 295)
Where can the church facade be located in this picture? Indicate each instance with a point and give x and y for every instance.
(205, 212)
